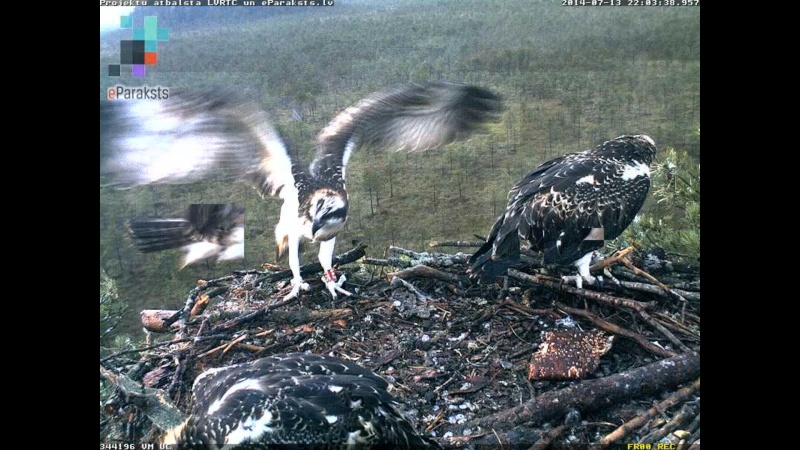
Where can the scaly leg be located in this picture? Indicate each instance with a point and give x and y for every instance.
(294, 264)
(328, 276)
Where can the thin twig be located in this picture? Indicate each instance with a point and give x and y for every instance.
(611, 260)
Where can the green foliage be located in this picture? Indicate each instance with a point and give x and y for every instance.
(672, 221)
(112, 309)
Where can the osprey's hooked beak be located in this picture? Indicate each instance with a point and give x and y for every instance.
(315, 226)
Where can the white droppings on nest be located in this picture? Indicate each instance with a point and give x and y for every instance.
(449, 434)
(567, 322)
(457, 419)
(460, 338)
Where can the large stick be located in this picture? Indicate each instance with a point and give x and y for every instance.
(594, 394)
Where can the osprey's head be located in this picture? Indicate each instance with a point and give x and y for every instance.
(644, 147)
(328, 212)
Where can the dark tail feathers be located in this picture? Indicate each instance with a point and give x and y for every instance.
(500, 252)
(152, 235)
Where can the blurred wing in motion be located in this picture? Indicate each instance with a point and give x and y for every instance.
(207, 230)
(188, 138)
(409, 118)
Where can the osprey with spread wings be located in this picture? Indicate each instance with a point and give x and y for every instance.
(188, 137)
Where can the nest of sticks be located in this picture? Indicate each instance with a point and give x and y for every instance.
(528, 361)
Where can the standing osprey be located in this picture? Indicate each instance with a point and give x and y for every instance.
(303, 400)
(186, 137)
(568, 206)
(208, 230)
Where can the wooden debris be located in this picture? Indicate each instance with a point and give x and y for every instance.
(456, 353)
(434, 244)
(680, 396)
(548, 438)
(611, 328)
(155, 319)
(611, 260)
(428, 272)
(200, 305)
(589, 395)
(592, 295)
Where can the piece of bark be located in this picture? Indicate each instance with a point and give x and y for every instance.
(200, 305)
(589, 395)
(568, 355)
(155, 319)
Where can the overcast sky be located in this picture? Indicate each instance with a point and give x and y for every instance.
(109, 15)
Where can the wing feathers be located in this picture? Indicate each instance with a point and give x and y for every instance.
(410, 118)
(189, 137)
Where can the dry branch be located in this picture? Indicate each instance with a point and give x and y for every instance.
(678, 397)
(397, 281)
(548, 438)
(456, 244)
(428, 272)
(642, 273)
(611, 328)
(345, 258)
(593, 394)
(156, 406)
(637, 306)
(428, 258)
(686, 412)
(393, 262)
(650, 289)
(597, 296)
(611, 260)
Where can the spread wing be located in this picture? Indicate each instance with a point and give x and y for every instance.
(190, 137)
(409, 118)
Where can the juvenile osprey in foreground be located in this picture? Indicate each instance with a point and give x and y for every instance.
(208, 230)
(187, 137)
(568, 206)
(302, 400)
